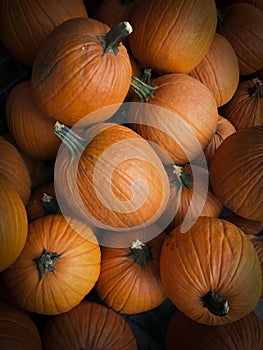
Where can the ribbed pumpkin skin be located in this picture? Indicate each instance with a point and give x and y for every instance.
(219, 70)
(32, 131)
(13, 228)
(87, 326)
(72, 76)
(236, 173)
(246, 106)
(242, 26)
(211, 256)
(75, 272)
(25, 24)
(18, 331)
(124, 284)
(162, 38)
(244, 334)
(257, 3)
(13, 166)
(258, 246)
(248, 226)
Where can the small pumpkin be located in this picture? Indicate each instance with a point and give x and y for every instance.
(88, 325)
(32, 131)
(57, 267)
(219, 70)
(129, 281)
(244, 334)
(72, 78)
(13, 228)
(205, 273)
(246, 106)
(18, 331)
(24, 25)
(13, 166)
(236, 173)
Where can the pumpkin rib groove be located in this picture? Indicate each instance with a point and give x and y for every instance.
(146, 19)
(47, 15)
(31, 21)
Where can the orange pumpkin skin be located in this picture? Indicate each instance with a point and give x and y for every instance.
(236, 173)
(242, 26)
(24, 25)
(219, 70)
(89, 325)
(257, 243)
(224, 129)
(211, 257)
(57, 267)
(72, 78)
(32, 131)
(13, 166)
(171, 46)
(257, 3)
(181, 102)
(18, 331)
(246, 106)
(13, 228)
(244, 334)
(129, 280)
(248, 226)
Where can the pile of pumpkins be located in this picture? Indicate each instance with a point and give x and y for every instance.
(133, 122)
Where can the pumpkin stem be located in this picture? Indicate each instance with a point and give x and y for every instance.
(258, 88)
(215, 304)
(113, 38)
(73, 141)
(185, 179)
(49, 204)
(141, 253)
(146, 76)
(144, 90)
(220, 17)
(46, 263)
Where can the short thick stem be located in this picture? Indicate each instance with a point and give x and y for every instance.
(111, 41)
(46, 263)
(145, 91)
(258, 88)
(216, 304)
(141, 253)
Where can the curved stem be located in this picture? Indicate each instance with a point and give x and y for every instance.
(141, 253)
(46, 263)
(186, 179)
(215, 304)
(49, 204)
(144, 90)
(111, 41)
(258, 88)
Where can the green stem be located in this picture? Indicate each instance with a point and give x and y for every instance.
(144, 90)
(258, 88)
(220, 17)
(46, 263)
(215, 304)
(111, 41)
(141, 253)
(186, 179)
(49, 204)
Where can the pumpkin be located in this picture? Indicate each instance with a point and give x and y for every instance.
(177, 113)
(32, 131)
(24, 25)
(236, 173)
(246, 106)
(109, 176)
(57, 267)
(72, 78)
(224, 129)
(257, 3)
(242, 26)
(163, 40)
(244, 334)
(257, 243)
(13, 166)
(13, 228)
(205, 273)
(190, 195)
(129, 281)
(18, 331)
(248, 226)
(89, 325)
(219, 70)
(42, 202)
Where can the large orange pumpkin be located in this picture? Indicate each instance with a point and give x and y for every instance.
(81, 67)
(25, 24)
(172, 36)
(13, 228)
(89, 325)
(56, 268)
(236, 173)
(206, 274)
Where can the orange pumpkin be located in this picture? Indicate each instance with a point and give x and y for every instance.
(13, 228)
(89, 325)
(72, 78)
(205, 272)
(236, 173)
(13, 166)
(257, 242)
(165, 41)
(18, 331)
(57, 267)
(247, 226)
(129, 281)
(32, 131)
(24, 25)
